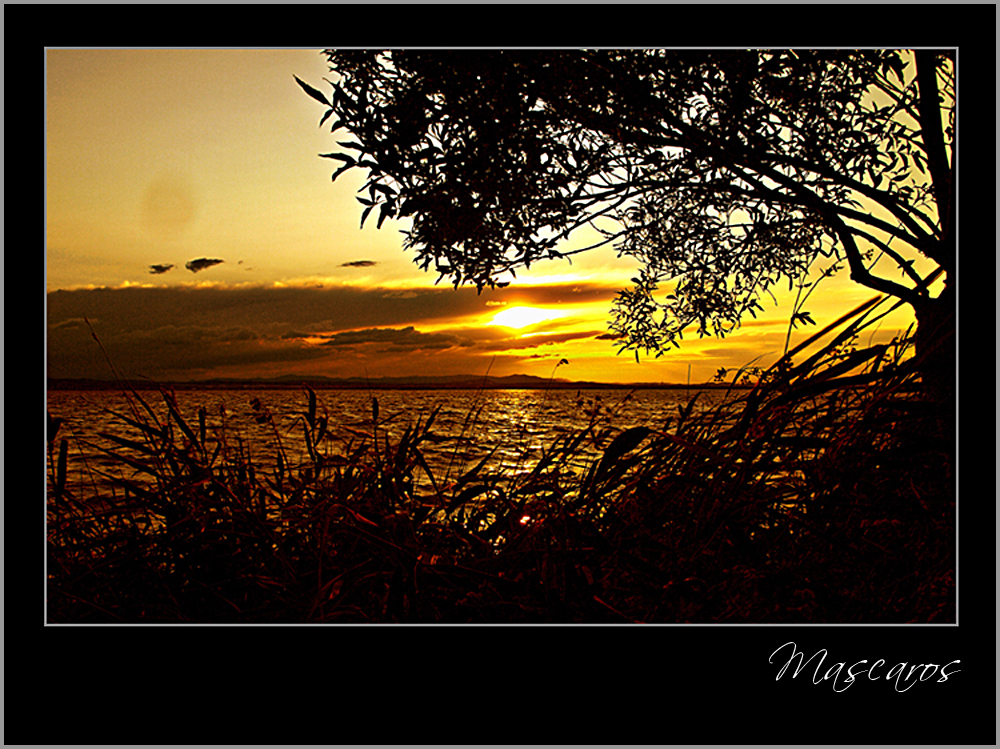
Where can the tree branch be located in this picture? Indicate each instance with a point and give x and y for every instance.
(859, 273)
(919, 239)
(930, 128)
(933, 140)
(765, 163)
(905, 265)
(866, 218)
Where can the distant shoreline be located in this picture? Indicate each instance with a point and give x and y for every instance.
(457, 382)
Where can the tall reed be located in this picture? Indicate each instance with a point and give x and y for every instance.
(821, 494)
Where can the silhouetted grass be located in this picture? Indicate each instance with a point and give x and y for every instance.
(823, 494)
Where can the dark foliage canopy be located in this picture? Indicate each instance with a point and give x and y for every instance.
(722, 172)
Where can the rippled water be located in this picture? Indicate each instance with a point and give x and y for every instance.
(516, 424)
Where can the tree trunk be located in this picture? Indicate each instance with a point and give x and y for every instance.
(935, 344)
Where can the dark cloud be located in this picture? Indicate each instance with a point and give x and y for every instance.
(189, 335)
(559, 294)
(166, 352)
(533, 341)
(73, 322)
(201, 263)
(397, 339)
(163, 268)
(331, 309)
(359, 264)
(608, 337)
(181, 332)
(549, 355)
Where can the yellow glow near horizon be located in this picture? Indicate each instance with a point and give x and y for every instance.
(522, 317)
(127, 194)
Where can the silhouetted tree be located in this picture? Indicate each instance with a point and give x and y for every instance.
(721, 172)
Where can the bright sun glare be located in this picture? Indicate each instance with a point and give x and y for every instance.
(521, 317)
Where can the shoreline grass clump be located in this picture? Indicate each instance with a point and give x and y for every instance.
(822, 494)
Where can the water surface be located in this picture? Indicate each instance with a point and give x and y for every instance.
(514, 425)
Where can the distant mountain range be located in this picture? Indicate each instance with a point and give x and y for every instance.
(445, 382)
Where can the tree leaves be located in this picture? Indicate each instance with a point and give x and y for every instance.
(312, 92)
(365, 212)
(804, 317)
(720, 171)
(348, 160)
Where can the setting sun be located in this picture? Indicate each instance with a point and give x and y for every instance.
(522, 317)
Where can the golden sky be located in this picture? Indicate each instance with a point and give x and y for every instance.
(156, 158)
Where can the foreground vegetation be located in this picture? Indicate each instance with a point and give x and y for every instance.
(823, 494)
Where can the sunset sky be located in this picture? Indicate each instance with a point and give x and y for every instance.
(157, 158)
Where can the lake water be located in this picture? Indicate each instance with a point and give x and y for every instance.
(517, 424)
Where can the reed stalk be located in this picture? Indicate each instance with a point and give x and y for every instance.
(821, 494)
